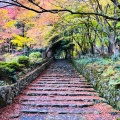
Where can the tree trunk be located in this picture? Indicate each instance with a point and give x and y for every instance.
(112, 46)
(110, 49)
(92, 48)
(23, 30)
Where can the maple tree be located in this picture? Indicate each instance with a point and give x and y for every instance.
(4, 35)
(97, 28)
(42, 7)
(88, 24)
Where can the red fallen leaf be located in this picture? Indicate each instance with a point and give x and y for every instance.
(68, 106)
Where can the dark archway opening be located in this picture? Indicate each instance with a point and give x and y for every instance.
(62, 49)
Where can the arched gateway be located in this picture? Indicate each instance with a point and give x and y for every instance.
(59, 49)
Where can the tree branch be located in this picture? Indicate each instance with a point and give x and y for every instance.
(42, 10)
(36, 5)
(6, 6)
(115, 2)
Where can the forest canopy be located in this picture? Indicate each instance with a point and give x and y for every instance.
(92, 25)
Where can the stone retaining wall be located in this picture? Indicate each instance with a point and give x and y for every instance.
(110, 92)
(8, 92)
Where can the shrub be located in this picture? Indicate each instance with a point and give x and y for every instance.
(16, 66)
(15, 59)
(35, 55)
(115, 57)
(8, 57)
(2, 63)
(109, 72)
(5, 70)
(106, 56)
(24, 60)
(7, 73)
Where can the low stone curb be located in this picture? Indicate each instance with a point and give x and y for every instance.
(8, 92)
(110, 92)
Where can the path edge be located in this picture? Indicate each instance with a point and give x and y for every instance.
(9, 92)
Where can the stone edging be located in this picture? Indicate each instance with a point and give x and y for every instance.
(8, 92)
(110, 92)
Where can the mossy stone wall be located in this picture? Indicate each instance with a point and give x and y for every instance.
(110, 92)
(8, 92)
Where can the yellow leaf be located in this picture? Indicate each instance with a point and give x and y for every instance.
(10, 24)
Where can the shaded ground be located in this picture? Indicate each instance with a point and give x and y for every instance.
(60, 93)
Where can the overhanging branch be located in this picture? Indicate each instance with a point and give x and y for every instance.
(6, 6)
(115, 2)
(43, 10)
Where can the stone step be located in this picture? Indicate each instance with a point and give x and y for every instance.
(33, 86)
(61, 99)
(52, 117)
(58, 98)
(62, 85)
(65, 76)
(61, 81)
(49, 78)
(61, 89)
(60, 93)
(57, 104)
(58, 110)
(62, 78)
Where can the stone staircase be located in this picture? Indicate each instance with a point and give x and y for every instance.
(59, 93)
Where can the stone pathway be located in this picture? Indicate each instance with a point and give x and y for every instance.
(60, 93)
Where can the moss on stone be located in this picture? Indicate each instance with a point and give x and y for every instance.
(100, 83)
(118, 104)
(2, 102)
